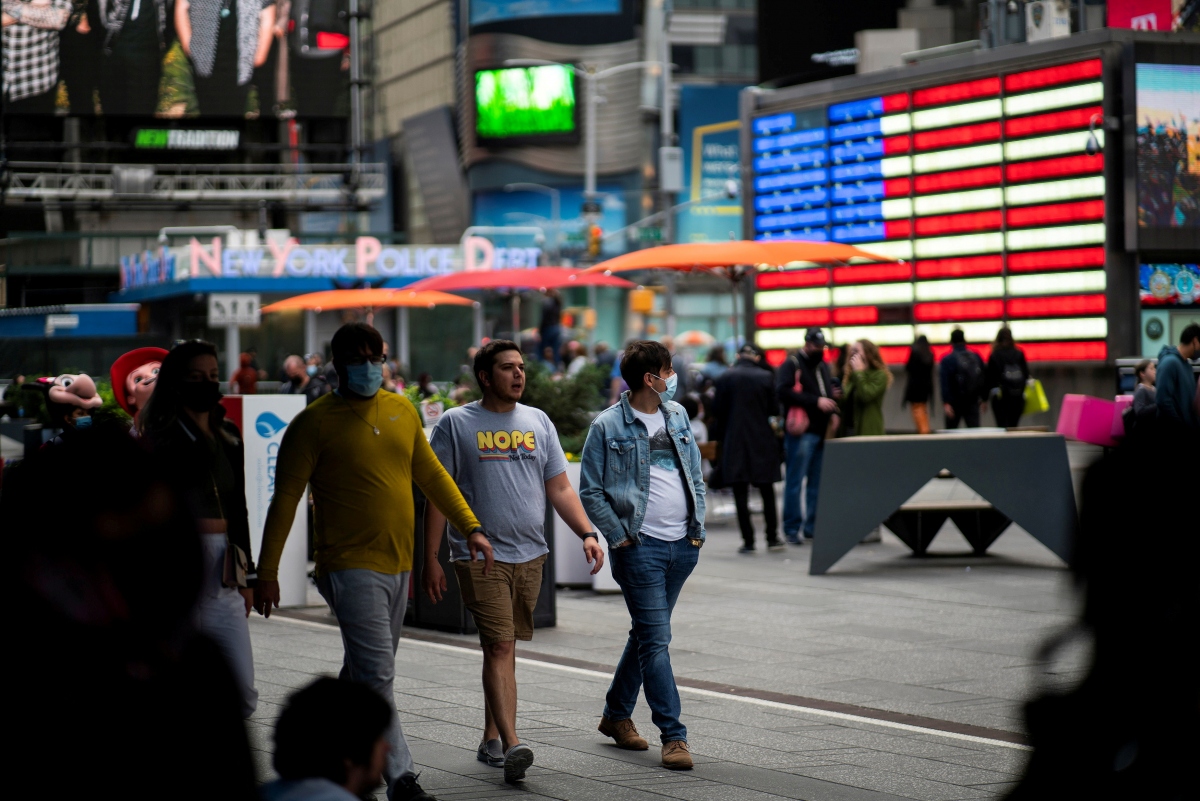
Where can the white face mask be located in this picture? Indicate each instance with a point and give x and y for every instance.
(672, 384)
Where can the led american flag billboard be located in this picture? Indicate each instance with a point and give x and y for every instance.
(983, 191)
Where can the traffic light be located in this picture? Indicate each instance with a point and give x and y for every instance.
(595, 234)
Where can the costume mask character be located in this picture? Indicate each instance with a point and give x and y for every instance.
(68, 392)
(134, 376)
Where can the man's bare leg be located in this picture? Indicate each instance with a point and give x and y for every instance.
(500, 692)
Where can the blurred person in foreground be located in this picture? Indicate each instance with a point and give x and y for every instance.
(330, 743)
(1131, 727)
(865, 384)
(744, 403)
(506, 459)
(202, 455)
(1176, 383)
(962, 377)
(805, 452)
(1007, 372)
(640, 484)
(918, 385)
(361, 449)
(114, 690)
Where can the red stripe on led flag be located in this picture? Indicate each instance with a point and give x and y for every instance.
(952, 93)
(872, 273)
(792, 318)
(895, 354)
(984, 351)
(1059, 306)
(1058, 213)
(958, 310)
(776, 357)
(897, 229)
(1054, 121)
(1064, 73)
(1053, 168)
(957, 223)
(959, 179)
(897, 187)
(792, 279)
(856, 315)
(953, 137)
(1064, 351)
(955, 268)
(896, 144)
(896, 102)
(332, 41)
(1068, 259)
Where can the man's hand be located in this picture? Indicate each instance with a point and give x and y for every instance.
(433, 579)
(248, 597)
(827, 404)
(266, 595)
(594, 554)
(478, 543)
(948, 409)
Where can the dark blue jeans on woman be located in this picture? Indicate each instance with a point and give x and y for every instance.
(651, 574)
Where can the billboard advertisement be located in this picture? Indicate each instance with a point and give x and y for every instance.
(524, 104)
(486, 11)
(709, 134)
(176, 60)
(1169, 284)
(1168, 146)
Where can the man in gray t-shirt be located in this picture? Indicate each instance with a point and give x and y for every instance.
(506, 460)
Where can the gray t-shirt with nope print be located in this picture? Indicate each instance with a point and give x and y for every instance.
(501, 463)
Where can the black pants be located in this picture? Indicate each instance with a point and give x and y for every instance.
(1008, 411)
(34, 104)
(129, 79)
(79, 55)
(968, 414)
(741, 497)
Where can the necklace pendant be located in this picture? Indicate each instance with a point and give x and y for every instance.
(376, 430)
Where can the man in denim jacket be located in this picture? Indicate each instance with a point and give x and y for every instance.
(641, 487)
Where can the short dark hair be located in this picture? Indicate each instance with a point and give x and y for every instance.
(1141, 368)
(348, 342)
(958, 337)
(643, 356)
(325, 724)
(1004, 338)
(1190, 333)
(485, 359)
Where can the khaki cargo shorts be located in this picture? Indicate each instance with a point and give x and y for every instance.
(502, 602)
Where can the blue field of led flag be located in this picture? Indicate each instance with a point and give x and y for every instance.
(790, 141)
(858, 172)
(856, 110)
(790, 200)
(858, 233)
(855, 130)
(861, 211)
(815, 235)
(783, 161)
(856, 151)
(795, 219)
(776, 122)
(857, 192)
(791, 180)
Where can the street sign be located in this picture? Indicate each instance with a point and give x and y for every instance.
(591, 207)
(227, 310)
(650, 233)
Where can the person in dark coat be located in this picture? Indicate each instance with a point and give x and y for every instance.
(962, 376)
(1007, 372)
(918, 388)
(745, 401)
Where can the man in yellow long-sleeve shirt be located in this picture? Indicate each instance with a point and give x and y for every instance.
(361, 449)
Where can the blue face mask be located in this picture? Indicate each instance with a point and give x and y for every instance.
(311, 369)
(82, 423)
(672, 384)
(364, 379)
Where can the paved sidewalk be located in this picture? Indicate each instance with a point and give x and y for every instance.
(951, 639)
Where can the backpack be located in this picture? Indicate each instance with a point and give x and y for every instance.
(1012, 381)
(969, 375)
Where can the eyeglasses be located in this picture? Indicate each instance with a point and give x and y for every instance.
(357, 360)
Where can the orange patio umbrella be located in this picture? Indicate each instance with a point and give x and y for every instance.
(366, 298)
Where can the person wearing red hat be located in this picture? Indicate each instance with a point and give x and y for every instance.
(133, 378)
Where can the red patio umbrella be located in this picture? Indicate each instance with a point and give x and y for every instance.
(366, 298)
(536, 278)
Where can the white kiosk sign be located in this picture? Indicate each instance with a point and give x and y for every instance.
(226, 310)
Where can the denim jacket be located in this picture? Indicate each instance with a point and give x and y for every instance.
(615, 473)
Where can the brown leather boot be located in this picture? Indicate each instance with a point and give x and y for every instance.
(624, 732)
(675, 755)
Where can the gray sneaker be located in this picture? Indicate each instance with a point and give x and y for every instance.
(517, 760)
(491, 752)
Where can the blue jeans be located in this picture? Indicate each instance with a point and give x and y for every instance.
(651, 575)
(370, 610)
(804, 456)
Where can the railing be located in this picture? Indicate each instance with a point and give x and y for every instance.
(182, 183)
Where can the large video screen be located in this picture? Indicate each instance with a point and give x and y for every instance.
(485, 11)
(181, 59)
(520, 103)
(1168, 145)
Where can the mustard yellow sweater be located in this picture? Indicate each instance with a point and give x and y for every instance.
(361, 483)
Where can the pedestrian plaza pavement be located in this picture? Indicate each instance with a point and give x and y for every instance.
(890, 677)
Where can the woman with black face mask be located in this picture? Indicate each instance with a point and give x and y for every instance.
(201, 454)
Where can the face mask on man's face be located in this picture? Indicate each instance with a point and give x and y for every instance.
(311, 370)
(81, 423)
(672, 384)
(364, 379)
